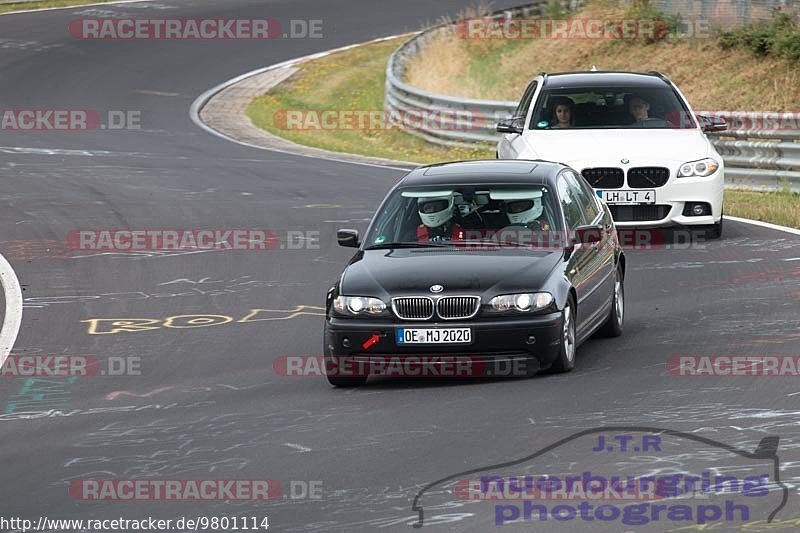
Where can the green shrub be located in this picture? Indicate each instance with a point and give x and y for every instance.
(779, 37)
(787, 45)
(555, 10)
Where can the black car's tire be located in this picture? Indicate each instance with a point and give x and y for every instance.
(616, 316)
(566, 351)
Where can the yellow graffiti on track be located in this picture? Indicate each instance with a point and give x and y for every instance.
(110, 326)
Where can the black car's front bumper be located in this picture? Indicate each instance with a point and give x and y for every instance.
(500, 346)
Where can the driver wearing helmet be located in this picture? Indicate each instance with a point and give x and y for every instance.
(526, 212)
(436, 214)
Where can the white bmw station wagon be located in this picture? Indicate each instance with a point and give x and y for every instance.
(632, 136)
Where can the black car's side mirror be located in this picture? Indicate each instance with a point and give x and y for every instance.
(511, 125)
(348, 238)
(588, 234)
(712, 123)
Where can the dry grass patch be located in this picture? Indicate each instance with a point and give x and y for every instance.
(711, 78)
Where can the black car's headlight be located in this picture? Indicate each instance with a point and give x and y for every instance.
(526, 302)
(359, 305)
(702, 168)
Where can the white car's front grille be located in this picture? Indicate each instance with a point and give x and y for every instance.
(647, 177)
(604, 177)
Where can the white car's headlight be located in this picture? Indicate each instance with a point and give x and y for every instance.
(704, 167)
(524, 303)
(359, 305)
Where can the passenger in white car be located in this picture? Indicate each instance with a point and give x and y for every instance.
(563, 112)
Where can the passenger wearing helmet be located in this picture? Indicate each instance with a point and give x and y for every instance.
(526, 212)
(437, 220)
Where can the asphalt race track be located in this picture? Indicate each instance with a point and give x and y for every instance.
(206, 402)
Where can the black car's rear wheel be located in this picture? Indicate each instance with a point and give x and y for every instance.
(566, 353)
(613, 324)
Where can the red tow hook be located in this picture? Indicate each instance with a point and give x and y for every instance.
(369, 343)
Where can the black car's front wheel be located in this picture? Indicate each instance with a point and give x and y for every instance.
(565, 361)
(613, 324)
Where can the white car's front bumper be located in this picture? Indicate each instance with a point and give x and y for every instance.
(676, 193)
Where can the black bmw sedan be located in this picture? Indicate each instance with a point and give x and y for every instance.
(476, 268)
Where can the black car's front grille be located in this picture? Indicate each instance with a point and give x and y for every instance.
(639, 213)
(604, 177)
(413, 307)
(447, 307)
(458, 307)
(647, 177)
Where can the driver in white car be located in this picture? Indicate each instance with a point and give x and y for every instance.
(639, 108)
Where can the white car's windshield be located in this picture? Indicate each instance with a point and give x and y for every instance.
(610, 107)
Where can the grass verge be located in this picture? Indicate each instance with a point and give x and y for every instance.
(352, 80)
(781, 207)
(25, 6)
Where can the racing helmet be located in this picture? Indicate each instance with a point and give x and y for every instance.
(524, 210)
(435, 211)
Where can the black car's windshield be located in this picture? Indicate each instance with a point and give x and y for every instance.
(505, 216)
(610, 107)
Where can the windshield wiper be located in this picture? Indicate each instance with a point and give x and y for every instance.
(407, 244)
(491, 243)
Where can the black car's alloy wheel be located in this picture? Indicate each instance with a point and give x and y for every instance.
(566, 353)
(616, 316)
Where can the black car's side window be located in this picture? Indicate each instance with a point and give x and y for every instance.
(585, 196)
(573, 211)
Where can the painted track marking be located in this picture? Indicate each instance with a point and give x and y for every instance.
(13, 316)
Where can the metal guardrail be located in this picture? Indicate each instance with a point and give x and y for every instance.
(761, 150)
(402, 100)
